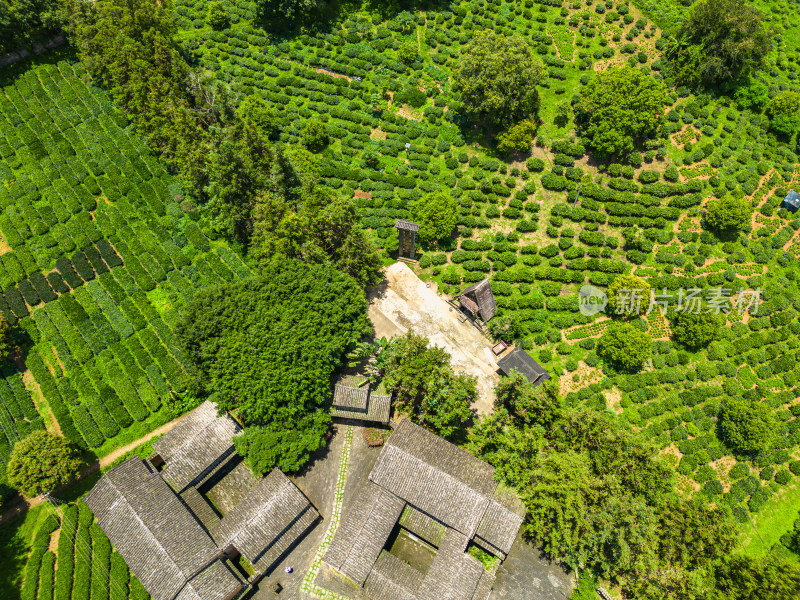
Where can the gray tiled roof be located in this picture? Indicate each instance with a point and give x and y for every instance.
(502, 520)
(442, 494)
(435, 476)
(161, 542)
(260, 524)
(345, 396)
(408, 225)
(363, 532)
(392, 579)
(217, 582)
(454, 574)
(198, 443)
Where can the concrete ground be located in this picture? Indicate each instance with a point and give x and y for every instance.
(403, 302)
(526, 574)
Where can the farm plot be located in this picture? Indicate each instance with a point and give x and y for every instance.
(99, 258)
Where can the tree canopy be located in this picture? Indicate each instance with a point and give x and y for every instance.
(25, 21)
(721, 42)
(625, 346)
(425, 387)
(266, 348)
(497, 77)
(747, 425)
(41, 462)
(728, 214)
(595, 495)
(784, 112)
(696, 330)
(629, 296)
(437, 214)
(619, 109)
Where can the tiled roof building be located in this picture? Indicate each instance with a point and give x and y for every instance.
(166, 545)
(441, 494)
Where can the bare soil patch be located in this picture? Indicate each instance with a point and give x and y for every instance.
(403, 302)
(408, 113)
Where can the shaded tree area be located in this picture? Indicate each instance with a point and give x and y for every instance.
(266, 348)
(497, 77)
(598, 497)
(721, 42)
(255, 192)
(23, 22)
(425, 387)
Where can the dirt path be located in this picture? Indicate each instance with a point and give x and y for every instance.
(21, 504)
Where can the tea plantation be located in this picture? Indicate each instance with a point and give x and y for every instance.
(101, 246)
(542, 225)
(98, 257)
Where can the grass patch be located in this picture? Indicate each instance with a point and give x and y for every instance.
(773, 520)
(487, 560)
(133, 433)
(16, 538)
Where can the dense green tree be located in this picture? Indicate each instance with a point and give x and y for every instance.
(535, 407)
(7, 345)
(619, 109)
(128, 47)
(728, 214)
(242, 164)
(721, 41)
(254, 110)
(593, 493)
(425, 387)
(629, 296)
(764, 577)
(784, 112)
(696, 330)
(497, 77)
(267, 348)
(315, 135)
(217, 17)
(625, 346)
(292, 10)
(322, 227)
(437, 214)
(25, 21)
(747, 425)
(517, 138)
(40, 463)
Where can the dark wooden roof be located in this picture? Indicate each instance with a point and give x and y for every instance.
(407, 225)
(480, 295)
(259, 526)
(435, 476)
(160, 540)
(363, 532)
(198, 443)
(521, 361)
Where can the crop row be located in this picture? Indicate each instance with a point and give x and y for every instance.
(105, 354)
(83, 565)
